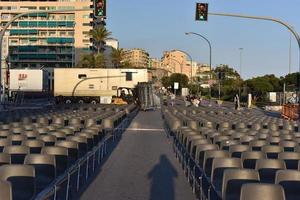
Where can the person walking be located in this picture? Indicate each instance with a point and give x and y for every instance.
(237, 102)
(173, 99)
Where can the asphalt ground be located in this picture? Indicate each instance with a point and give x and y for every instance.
(141, 167)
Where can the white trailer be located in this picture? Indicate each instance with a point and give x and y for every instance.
(28, 80)
(87, 85)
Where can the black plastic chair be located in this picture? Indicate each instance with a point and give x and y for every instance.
(290, 181)
(22, 179)
(236, 150)
(291, 159)
(249, 158)
(5, 190)
(17, 153)
(267, 169)
(262, 191)
(272, 151)
(233, 181)
(61, 157)
(44, 166)
(35, 146)
(72, 147)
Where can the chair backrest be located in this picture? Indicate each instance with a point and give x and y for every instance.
(225, 144)
(72, 147)
(21, 178)
(233, 180)
(5, 190)
(246, 139)
(5, 158)
(218, 167)
(61, 157)
(262, 191)
(49, 140)
(17, 153)
(267, 169)
(290, 181)
(208, 159)
(59, 135)
(290, 158)
(17, 139)
(288, 145)
(236, 150)
(200, 149)
(249, 158)
(272, 151)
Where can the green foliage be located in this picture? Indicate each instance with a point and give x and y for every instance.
(165, 81)
(99, 35)
(92, 61)
(117, 55)
(182, 79)
(291, 81)
(195, 89)
(259, 86)
(230, 73)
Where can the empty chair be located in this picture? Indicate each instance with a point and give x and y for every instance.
(17, 139)
(3, 143)
(290, 181)
(5, 133)
(256, 145)
(31, 135)
(59, 135)
(274, 140)
(72, 147)
(61, 157)
(287, 137)
(43, 130)
(209, 157)
(35, 146)
(262, 191)
(82, 144)
(225, 144)
(17, 153)
(193, 145)
(67, 131)
(291, 159)
(233, 181)
(5, 190)
(236, 150)
(218, 167)
(49, 140)
(22, 180)
(4, 159)
(44, 166)
(200, 150)
(267, 169)
(288, 145)
(249, 158)
(219, 138)
(272, 151)
(245, 140)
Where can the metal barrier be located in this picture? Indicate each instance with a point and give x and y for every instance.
(201, 185)
(290, 111)
(68, 185)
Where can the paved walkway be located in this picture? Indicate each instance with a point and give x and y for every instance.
(142, 167)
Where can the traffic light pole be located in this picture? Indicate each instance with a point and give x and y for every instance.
(289, 27)
(2, 84)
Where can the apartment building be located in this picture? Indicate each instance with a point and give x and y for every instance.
(46, 40)
(138, 58)
(154, 63)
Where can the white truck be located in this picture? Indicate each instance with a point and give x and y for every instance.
(88, 85)
(28, 80)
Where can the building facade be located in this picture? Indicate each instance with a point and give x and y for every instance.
(154, 63)
(46, 40)
(110, 44)
(138, 58)
(176, 62)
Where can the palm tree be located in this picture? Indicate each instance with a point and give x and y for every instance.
(99, 35)
(117, 56)
(92, 61)
(87, 61)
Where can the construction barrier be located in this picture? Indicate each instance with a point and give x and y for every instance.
(290, 111)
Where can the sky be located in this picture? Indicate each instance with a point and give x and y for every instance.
(159, 25)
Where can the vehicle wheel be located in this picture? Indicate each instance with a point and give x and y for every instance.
(80, 101)
(68, 101)
(93, 102)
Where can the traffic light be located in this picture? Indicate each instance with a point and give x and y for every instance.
(100, 8)
(201, 11)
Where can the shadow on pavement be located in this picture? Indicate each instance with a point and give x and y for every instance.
(162, 178)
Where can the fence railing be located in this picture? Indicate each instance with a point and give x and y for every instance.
(290, 111)
(69, 185)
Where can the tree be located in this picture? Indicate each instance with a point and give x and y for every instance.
(99, 35)
(291, 81)
(182, 79)
(92, 61)
(117, 56)
(165, 81)
(259, 87)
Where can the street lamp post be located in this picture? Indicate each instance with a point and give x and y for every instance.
(241, 56)
(191, 59)
(210, 54)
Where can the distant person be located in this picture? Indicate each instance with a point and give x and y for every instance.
(294, 99)
(173, 97)
(237, 101)
(165, 99)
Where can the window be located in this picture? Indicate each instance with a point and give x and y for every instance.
(82, 76)
(128, 76)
